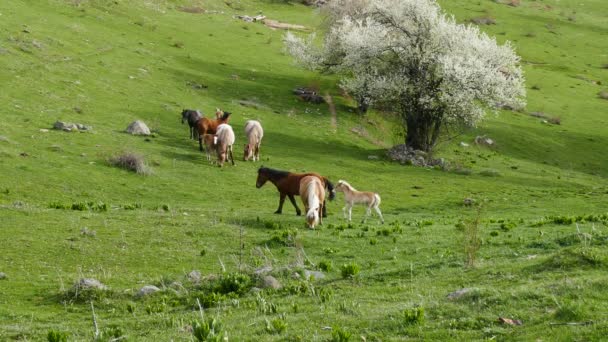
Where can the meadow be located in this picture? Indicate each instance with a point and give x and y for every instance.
(532, 247)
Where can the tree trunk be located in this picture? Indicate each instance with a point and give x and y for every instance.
(422, 128)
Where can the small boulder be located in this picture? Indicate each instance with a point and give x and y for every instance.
(2, 275)
(483, 140)
(194, 276)
(147, 290)
(65, 126)
(263, 270)
(313, 275)
(463, 144)
(459, 293)
(138, 128)
(88, 284)
(270, 282)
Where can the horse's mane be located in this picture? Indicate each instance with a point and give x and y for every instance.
(272, 173)
(225, 116)
(350, 187)
(330, 188)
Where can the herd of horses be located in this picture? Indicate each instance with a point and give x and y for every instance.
(216, 135)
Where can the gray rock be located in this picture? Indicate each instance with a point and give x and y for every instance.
(194, 276)
(484, 140)
(270, 282)
(88, 283)
(138, 128)
(147, 290)
(468, 201)
(463, 144)
(2, 275)
(313, 275)
(459, 293)
(65, 126)
(263, 270)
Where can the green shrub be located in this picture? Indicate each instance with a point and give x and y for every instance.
(340, 335)
(413, 316)
(57, 336)
(276, 326)
(325, 265)
(237, 283)
(350, 270)
(208, 331)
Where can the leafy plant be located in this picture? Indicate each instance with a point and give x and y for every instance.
(57, 336)
(413, 315)
(340, 335)
(276, 326)
(209, 330)
(350, 270)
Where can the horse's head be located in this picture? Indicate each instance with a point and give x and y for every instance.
(340, 186)
(262, 177)
(312, 217)
(247, 152)
(184, 115)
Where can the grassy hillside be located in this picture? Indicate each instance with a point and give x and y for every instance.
(542, 190)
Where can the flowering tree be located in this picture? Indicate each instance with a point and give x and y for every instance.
(408, 55)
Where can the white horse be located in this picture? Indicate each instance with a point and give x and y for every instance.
(225, 140)
(312, 193)
(254, 132)
(352, 197)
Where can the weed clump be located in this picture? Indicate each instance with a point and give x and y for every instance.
(209, 330)
(57, 336)
(350, 270)
(340, 335)
(413, 316)
(132, 162)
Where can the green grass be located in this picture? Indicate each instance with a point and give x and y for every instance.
(66, 213)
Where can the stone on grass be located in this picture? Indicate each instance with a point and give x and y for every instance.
(138, 128)
(194, 276)
(88, 284)
(270, 282)
(147, 290)
(2, 275)
(313, 275)
(71, 127)
(459, 293)
(263, 270)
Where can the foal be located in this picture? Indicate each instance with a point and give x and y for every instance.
(225, 140)
(208, 126)
(352, 197)
(254, 132)
(312, 193)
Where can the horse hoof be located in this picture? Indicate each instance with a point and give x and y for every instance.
(278, 212)
(299, 213)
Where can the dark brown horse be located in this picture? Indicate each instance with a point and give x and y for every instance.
(208, 126)
(192, 117)
(288, 185)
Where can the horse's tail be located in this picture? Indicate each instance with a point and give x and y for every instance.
(376, 201)
(330, 188)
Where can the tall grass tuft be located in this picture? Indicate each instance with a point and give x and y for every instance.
(132, 162)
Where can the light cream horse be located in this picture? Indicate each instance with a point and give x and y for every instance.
(225, 140)
(312, 193)
(352, 197)
(254, 132)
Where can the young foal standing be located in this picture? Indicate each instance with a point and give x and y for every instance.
(225, 140)
(352, 197)
(288, 185)
(312, 194)
(254, 132)
(192, 117)
(208, 126)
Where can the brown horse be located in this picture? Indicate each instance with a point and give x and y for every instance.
(208, 126)
(312, 193)
(288, 185)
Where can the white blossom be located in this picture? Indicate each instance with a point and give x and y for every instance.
(399, 51)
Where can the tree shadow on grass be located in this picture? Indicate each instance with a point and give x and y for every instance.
(577, 151)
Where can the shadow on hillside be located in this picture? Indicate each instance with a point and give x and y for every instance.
(226, 83)
(577, 151)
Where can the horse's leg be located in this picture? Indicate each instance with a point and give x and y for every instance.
(231, 156)
(324, 211)
(377, 208)
(321, 216)
(368, 211)
(200, 142)
(295, 205)
(350, 212)
(281, 201)
(344, 212)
